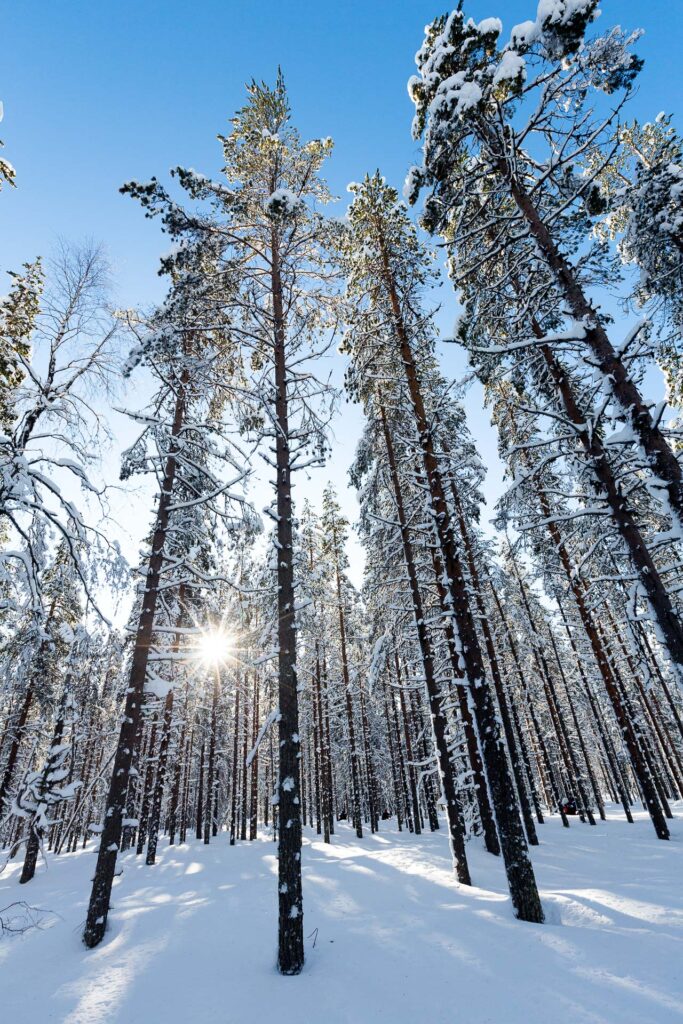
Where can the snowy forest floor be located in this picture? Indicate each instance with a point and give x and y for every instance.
(396, 939)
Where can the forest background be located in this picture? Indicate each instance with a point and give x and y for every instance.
(112, 92)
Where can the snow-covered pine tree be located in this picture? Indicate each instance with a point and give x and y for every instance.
(481, 110)
(463, 473)
(18, 313)
(42, 792)
(334, 535)
(640, 187)
(188, 436)
(34, 657)
(274, 246)
(537, 488)
(62, 353)
(313, 634)
(397, 533)
(387, 273)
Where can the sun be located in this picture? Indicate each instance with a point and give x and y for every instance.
(214, 646)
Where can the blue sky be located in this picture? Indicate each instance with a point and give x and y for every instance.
(98, 93)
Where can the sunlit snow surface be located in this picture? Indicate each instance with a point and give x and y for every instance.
(396, 940)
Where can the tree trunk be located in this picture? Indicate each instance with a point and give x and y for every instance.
(290, 904)
(425, 757)
(199, 796)
(185, 813)
(253, 797)
(157, 796)
(211, 766)
(394, 765)
(369, 768)
(404, 773)
(346, 678)
(148, 784)
(321, 825)
(544, 760)
(410, 767)
(18, 734)
(513, 750)
(235, 769)
(98, 908)
(180, 753)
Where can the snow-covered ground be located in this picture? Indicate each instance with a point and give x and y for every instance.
(390, 936)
